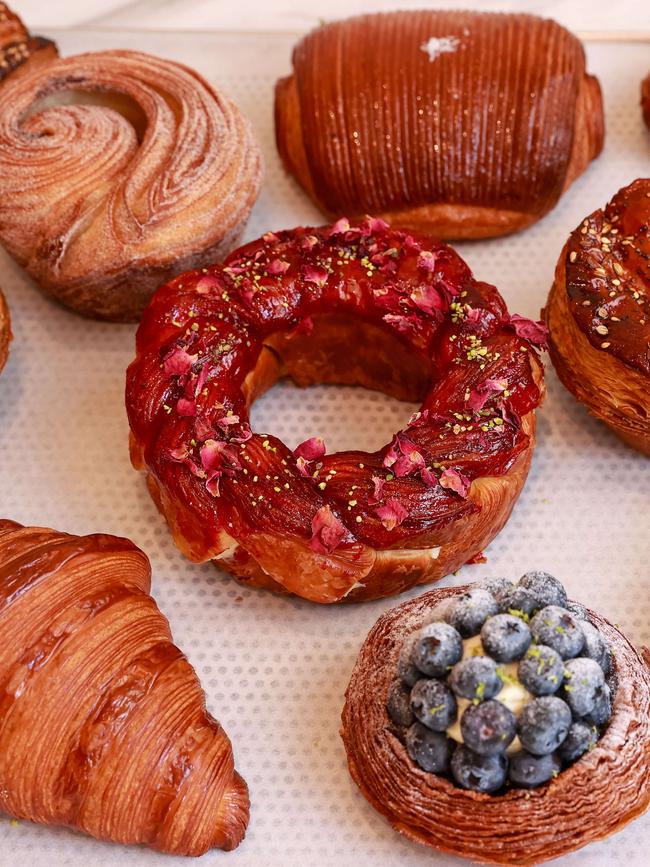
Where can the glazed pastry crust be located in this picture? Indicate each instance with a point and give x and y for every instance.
(645, 100)
(603, 361)
(367, 124)
(5, 331)
(593, 798)
(118, 170)
(103, 725)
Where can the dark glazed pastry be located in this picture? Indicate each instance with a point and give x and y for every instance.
(118, 170)
(5, 331)
(645, 100)
(103, 726)
(553, 755)
(361, 305)
(460, 124)
(598, 314)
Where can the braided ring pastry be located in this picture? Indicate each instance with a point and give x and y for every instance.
(5, 331)
(598, 314)
(359, 305)
(147, 172)
(103, 726)
(599, 794)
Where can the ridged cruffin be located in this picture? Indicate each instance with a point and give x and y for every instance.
(5, 331)
(211, 341)
(598, 314)
(118, 170)
(461, 124)
(591, 799)
(103, 726)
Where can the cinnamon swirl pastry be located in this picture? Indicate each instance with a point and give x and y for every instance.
(598, 314)
(500, 722)
(5, 331)
(461, 124)
(103, 726)
(355, 304)
(118, 170)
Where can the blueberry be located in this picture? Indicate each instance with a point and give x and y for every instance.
(437, 647)
(505, 637)
(433, 703)
(398, 703)
(582, 679)
(406, 670)
(559, 629)
(577, 610)
(517, 601)
(541, 670)
(529, 771)
(472, 610)
(488, 728)
(596, 647)
(430, 750)
(479, 773)
(476, 678)
(496, 585)
(442, 610)
(544, 588)
(602, 709)
(543, 724)
(581, 738)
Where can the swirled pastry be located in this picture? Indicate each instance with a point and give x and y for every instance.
(118, 170)
(103, 726)
(501, 722)
(5, 331)
(598, 314)
(354, 304)
(461, 124)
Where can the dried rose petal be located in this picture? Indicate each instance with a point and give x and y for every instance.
(377, 493)
(178, 362)
(339, 228)
(227, 420)
(411, 244)
(303, 467)
(508, 414)
(208, 283)
(315, 274)
(372, 225)
(405, 324)
(308, 242)
(427, 260)
(479, 396)
(455, 481)
(270, 238)
(178, 454)
(219, 456)
(276, 267)
(429, 300)
(311, 449)
(403, 457)
(534, 332)
(186, 407)
(392, 514)
(327, 531)
(428, 477)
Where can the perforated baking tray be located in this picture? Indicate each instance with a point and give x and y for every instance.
(274, 668)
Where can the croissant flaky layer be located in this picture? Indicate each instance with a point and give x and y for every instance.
(118, 170)
(604, 790)
(355, 304)
(103, 726)
(5, 331)
(598, 313)
(462, 124)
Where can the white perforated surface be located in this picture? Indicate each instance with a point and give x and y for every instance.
(275, 669)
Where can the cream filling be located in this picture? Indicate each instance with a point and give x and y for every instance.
(512, 694)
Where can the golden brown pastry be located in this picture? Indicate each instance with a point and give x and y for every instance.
(17, 45)
(119, 170)
(461, 124)
(356, 304)
(499, 761)
(103, 726)
(645, 100)
(598, 314)
(5, 331)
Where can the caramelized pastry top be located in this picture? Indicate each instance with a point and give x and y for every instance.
(608, 276)
(17, 45)
(409, 108)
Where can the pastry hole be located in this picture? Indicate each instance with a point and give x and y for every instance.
(119, 102)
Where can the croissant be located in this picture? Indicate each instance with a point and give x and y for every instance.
(119, 170)
(604, 788)
(460, 124)
(645, 100)
(598, 314)
(103, 726)
(356, 304)
(5, 331)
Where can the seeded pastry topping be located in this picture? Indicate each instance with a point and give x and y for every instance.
(505, 686)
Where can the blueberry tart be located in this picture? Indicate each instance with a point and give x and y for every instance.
(500, 721)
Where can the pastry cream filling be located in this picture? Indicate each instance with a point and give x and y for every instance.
(512, 694)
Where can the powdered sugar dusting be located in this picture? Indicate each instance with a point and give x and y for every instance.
(437, 45)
